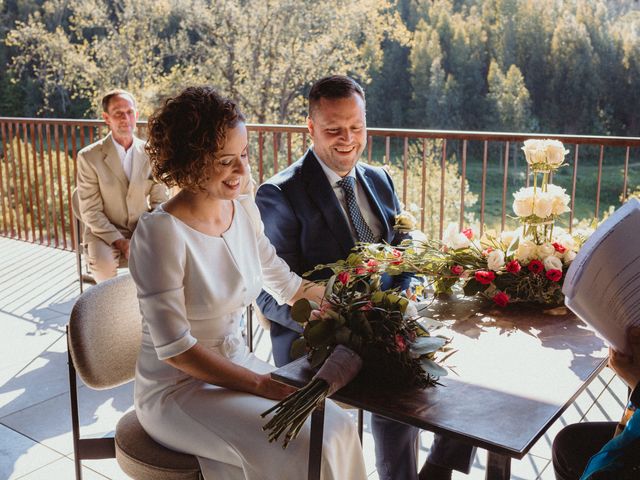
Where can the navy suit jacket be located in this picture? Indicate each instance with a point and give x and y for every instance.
(306, 225)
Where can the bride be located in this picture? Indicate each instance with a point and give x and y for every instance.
(198, 261)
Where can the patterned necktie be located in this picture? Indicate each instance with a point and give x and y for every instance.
(362, 229)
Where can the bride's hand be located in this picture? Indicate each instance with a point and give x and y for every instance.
(269, 388)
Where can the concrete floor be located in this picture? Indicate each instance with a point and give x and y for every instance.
(38, 286)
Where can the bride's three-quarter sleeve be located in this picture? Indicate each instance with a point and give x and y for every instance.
(278, 278)
(157, 262)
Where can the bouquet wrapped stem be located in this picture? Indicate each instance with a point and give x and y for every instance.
(357, 330)
(339, 369)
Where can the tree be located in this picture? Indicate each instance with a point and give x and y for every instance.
(571, 63)
(265, 59)
(510, 100)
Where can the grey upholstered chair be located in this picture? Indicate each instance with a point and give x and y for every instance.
(103, 338)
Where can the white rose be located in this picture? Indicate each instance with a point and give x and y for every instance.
(555, 152)
(507, 237)
(418, 235)
(569, 256)
(526, 251)
(533, 149)
(543, 205)
(495, 260)
(545, 250)
(560, 202)
(552, 263)
(567, 241)
(460, 241)
(455, 239)
(523, 202)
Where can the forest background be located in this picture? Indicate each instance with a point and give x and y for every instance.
(505, 65)
(547, 66)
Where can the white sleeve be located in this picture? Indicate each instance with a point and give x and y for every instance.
(279, 281)
(156, 261)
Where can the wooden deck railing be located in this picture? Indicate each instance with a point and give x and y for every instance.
(446, 176)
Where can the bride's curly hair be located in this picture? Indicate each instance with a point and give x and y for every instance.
(186, 133)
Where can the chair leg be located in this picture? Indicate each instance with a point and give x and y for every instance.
(75, 423)
(250, 327)
(79, 255)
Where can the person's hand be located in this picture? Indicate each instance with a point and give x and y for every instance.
(628, 366)
(122, 244)
(269, 388)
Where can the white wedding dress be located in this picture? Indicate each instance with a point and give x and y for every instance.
(193, 288)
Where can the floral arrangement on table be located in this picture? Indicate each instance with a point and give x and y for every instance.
(361, 331)
(524, 265)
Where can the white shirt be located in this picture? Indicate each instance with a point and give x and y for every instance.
(126, 158)
(361, 198)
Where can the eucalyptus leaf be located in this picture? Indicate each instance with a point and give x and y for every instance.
(319, 356)
(298, 348)
(377, 297)
(301, 310)
(432, 368)
(319, 334)
(328, 289)
(472, 287)
(515, 243)
(343, 336)
(354, 259)
(428, 323)
(424, 345)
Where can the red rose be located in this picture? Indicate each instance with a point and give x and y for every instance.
(343, 277)
(501, 299)
(535, 266)
(554, 275)
(485, 277)
(400, 345)
(513, 266)
(457, 269)
(360, 271)
(372, 265)
(396, 254)
(467, 232)
(559, 248)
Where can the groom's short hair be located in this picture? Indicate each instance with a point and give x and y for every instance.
(333, 87)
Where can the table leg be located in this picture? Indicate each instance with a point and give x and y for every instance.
(315, 442)
(498, 466)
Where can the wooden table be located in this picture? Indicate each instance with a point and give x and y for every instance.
(517, 371)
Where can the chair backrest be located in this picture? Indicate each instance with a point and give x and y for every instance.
(105, 333)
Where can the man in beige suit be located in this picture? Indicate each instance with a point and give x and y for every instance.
(115, 187)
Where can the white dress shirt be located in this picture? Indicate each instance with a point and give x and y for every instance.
(361, 198)
(126, 158)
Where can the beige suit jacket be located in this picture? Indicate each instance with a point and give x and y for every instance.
(110, 204)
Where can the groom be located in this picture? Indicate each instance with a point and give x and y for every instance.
(313, 212)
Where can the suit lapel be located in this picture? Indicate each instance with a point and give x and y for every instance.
(138, 160)
(321, 193)
(112, 160)
(370, 189)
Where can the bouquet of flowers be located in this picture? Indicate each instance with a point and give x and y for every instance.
(358, 331)
(524, 265)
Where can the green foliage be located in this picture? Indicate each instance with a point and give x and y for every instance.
(560, 67)
(32, 198)
(423, 191)
(262, 53)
